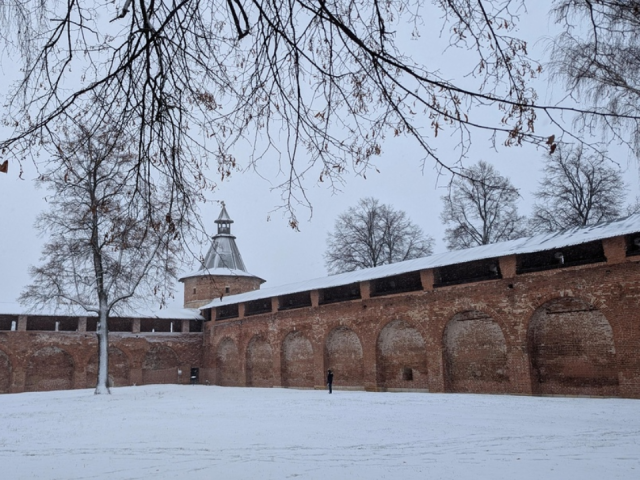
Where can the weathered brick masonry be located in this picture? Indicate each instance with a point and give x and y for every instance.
(571, 330)
(34, 357)
(544, 320)
(200, 290)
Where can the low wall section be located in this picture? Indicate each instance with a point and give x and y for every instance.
(36, 357)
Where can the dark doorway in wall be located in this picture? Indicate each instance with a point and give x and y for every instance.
(195, 375)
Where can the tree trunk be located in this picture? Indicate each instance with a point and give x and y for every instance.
(103, 350)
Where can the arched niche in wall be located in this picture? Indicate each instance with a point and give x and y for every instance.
(5, 372)
(119, 369)
(228, 367)
(49, 368)
(259, 363)
(571, 350)
(343, 355)
(475, 354)
(401, 357)
(160, 365)
(297, 361)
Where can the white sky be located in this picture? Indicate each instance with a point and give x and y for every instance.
(272, 250)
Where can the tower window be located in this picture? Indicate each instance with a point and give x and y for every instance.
(194, 290)
(226, 289)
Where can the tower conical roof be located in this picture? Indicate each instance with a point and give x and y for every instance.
(224, 253)
(223, 257)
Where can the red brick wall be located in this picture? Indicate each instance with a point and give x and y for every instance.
(5, 373)
(36, 361)
(49, 368)
(475, 354)
(401, 357)
(229, 366)
(297, 361)
(119, 369)
(568, 331)
(343, 353)
(572, 350)
(199, 291)
(259, 363)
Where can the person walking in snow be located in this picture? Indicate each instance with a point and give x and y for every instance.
(330, 380)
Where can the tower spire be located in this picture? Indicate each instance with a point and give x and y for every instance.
(224, 252)
(224, 222)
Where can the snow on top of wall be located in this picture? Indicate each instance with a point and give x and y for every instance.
(229, 272)
(538, 243)
(173, 313)
(14, 308)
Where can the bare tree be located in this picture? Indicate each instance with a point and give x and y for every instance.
(577, 190)
(598, 56)
(318, 84)
(373, 234)
(110, 240)
(481, 209)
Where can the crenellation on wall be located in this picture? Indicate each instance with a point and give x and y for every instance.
(508, 266)
(426, 277)
(315, 297)
(365, 290)
(615, 249)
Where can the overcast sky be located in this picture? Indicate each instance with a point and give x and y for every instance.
(270, 248)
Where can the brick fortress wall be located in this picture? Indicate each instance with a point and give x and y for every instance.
(35, 357)
(570, 330)
(200, 290)
(564, 331)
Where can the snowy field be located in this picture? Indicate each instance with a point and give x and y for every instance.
(185, 432)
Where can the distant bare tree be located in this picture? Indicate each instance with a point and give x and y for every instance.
(598, 56)
(372, 234)
(110, 239)
(577, 190)
(481, 209)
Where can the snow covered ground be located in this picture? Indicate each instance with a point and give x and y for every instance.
(199, 432)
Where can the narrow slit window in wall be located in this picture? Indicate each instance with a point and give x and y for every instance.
(294, 300)
(227, 311)
(7, 321)
(256, 307)
(476, 271)
(405, 282)
(570, 256)
(632, 244)
(52, 324)
(195, 326)
(341, 293)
